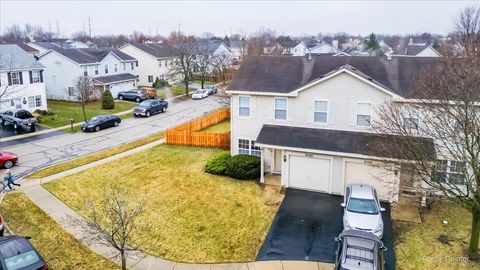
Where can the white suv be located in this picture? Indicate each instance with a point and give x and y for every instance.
(362, 210)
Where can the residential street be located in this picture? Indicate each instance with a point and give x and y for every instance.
(37, 154)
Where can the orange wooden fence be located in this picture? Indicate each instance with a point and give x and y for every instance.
(190, 133)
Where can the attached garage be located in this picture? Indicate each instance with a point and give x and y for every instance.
(310, 173)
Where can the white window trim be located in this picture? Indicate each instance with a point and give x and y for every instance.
(115, 67)
(35, 76)
(327, 111)
(250, 150)
(17, 78)
(408, 113)
(356, 114)
(275, 109)
(249, 107)
(448, 172)
(106, 68)
(96, 72)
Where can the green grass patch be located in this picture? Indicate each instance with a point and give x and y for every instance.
(64, 111)
(173, 91)
(192, 216)
(65, 166)
(205, 82)
(60, 249)
(417, 245)
(221, 127)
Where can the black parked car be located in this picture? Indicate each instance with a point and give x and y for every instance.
(149, 107)
(16, 252)
(133, 94)
(359, 250)
(100, 122)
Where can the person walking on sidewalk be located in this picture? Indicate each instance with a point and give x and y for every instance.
(9, 179)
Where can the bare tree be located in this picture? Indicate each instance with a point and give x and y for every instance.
(83, 90)
(467, 29)
(204, 61)
(14, 33)
(81, 36)
(259, 40)
(184, 61)
(446, 109)
(113, 221)
(221, 63)
(138, 36)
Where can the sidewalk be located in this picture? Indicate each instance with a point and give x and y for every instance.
(71, 222)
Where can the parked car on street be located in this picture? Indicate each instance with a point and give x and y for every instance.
(100, 122)
(19, 119)
(16, 252)
(133, 94)
(212, 89)
(149, 107)
(2, 227)
(362, 210)
(360, 251)
(199, 94)
(7, 159)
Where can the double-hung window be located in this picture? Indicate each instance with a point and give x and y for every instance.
(115, 67)
(31, 101)
(35, 76)
(281, 108)
(364, 114)
(132, 65)
(247, 147)
(124, 65)
(150, 78)
(449, 171)
(321, 111)
(15, 78)
(106, 69)
(38, 101)
(96, 70)
(244, 106)
(85, 71)
(411, 118)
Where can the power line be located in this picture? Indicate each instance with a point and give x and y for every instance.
(89, 27)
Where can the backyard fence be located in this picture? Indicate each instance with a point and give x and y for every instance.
(190, 133)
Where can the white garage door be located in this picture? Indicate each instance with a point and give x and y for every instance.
(381, 179)
(309, 173)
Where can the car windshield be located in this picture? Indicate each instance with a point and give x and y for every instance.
(199, 92)
(18, 254)
(24, 114)
(96, 118)
(146, 103)
(364, 206)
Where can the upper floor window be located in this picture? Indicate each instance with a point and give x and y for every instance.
(364, 114)
(449, 171)
(132, 66)
(150, 78)
(160, 63)
(15, 78)
(36, 76)
(85, 71)
(244, 106)
(115, 67)
(321, 111)
(411, 118)
(38, 101)
(281, 108)
(124, 65)
(96, 70)
(106, 69)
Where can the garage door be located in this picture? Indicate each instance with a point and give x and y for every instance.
(309, 173)
(363, 173)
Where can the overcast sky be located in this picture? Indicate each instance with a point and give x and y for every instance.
(220, 18)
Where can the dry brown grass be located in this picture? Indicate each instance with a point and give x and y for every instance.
(192, 216)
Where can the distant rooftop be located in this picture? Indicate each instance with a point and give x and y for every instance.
(12, 57)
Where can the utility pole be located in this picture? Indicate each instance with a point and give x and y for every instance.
(49, 26)
(58, 29)
(89, 28)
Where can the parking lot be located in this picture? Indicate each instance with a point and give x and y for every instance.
(306, 225)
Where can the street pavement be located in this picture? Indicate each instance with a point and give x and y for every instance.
(37, 154)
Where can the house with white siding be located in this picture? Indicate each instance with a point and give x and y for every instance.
(109, 68)
(21, 80)
(309, 119)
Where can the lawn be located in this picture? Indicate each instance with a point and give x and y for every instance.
(205, 82)
(418, 245)
(221, 127)
(174, 90)
(60, 249)
(94, 157)
(193, 216)
(64, 111)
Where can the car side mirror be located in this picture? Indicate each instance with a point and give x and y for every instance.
(382, 209)
(342, 205)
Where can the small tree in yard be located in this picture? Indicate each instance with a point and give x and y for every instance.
(221, 63)
(107, 100)
(447, 98)
(111, 223)
(183, 61)
(82, 90)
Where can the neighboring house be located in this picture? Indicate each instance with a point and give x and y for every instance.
(110, 69)
(42, 47)
(322, 48)
(154, 61)
(310, 120)
(26, 48)
(237, 47)
(416, 51)
(21, 80)
(214, 48)
(289, 47)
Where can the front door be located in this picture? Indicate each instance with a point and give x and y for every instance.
(406, 176)
(277, 167)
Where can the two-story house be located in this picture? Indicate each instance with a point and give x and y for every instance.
(109, 69)
(309, 119)
(21, 80)
(155, 61)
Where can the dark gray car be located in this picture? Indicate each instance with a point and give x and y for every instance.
(133, 94)
(149, 107)
(18, 118)
(359, 250)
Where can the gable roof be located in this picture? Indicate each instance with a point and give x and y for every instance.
(25, 47)
(12, 57)
(115, 78)
(155, 49)
(280, 74)
(289, 44)
(90, 55)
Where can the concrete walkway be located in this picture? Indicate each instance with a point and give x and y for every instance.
(71, 222)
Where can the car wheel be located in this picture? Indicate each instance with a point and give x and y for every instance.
(8, 164)
(2, 232)
(120, 97)
(164, 109)
(147, 113)
(32, 128)
(97, 128)
(2, 122)
(135, 116)
(115, 124)
(15, 126)
(137, 99)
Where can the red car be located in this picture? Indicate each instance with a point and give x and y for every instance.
(7, 159)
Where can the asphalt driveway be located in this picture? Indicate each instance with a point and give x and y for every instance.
(305, 226)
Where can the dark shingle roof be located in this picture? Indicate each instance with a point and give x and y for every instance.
(289, 44)
(91, 55)
(370, 144)
(156, 50)
(115, 78)
(411, 50)
(284, 74)
(48, 45)
(25, 47)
